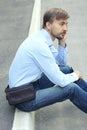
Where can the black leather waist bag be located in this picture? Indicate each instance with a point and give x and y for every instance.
(20, 94)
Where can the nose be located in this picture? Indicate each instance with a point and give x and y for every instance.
(65, 27)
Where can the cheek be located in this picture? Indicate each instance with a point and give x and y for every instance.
(55, 29)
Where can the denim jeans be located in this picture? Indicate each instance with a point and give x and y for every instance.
(47, 93)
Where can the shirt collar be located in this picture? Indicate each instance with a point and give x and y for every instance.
(47, 37)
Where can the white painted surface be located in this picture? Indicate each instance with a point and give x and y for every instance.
(36, 15)
(23, 120)
(26, 120)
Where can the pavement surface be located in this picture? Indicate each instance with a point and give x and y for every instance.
(65, 116)
(15, 17)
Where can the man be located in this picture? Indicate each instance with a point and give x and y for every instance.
(39, 63)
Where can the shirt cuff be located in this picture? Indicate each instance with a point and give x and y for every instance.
(75, 76)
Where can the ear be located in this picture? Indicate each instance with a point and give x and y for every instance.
(48, 25)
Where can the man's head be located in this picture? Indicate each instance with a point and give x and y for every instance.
(55, 22)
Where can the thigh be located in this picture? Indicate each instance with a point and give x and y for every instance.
(66, 69)
(82, 84)
(44, 97)
(44, 82)
(49, 96)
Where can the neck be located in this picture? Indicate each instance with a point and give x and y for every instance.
(52, 37)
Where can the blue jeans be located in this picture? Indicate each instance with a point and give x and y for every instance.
(47, 93)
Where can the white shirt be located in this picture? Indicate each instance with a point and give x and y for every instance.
(36, 55)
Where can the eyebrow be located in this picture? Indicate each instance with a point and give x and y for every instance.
(64, 23)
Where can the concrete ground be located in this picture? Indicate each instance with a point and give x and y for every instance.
(65, 116)
(15, 17)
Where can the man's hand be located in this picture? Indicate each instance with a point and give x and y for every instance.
(62, 42)
(78, 73)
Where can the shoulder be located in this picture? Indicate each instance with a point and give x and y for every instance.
(35, 43)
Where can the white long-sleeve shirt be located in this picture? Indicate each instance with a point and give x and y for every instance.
(36, 55)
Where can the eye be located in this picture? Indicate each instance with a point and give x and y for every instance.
(61, 24)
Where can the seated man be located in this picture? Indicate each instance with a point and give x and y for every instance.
(39, 63)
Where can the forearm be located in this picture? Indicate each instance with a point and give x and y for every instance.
(62, 55)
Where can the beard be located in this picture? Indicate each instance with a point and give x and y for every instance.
(61, 35)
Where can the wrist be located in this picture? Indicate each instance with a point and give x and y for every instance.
(62, 43)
